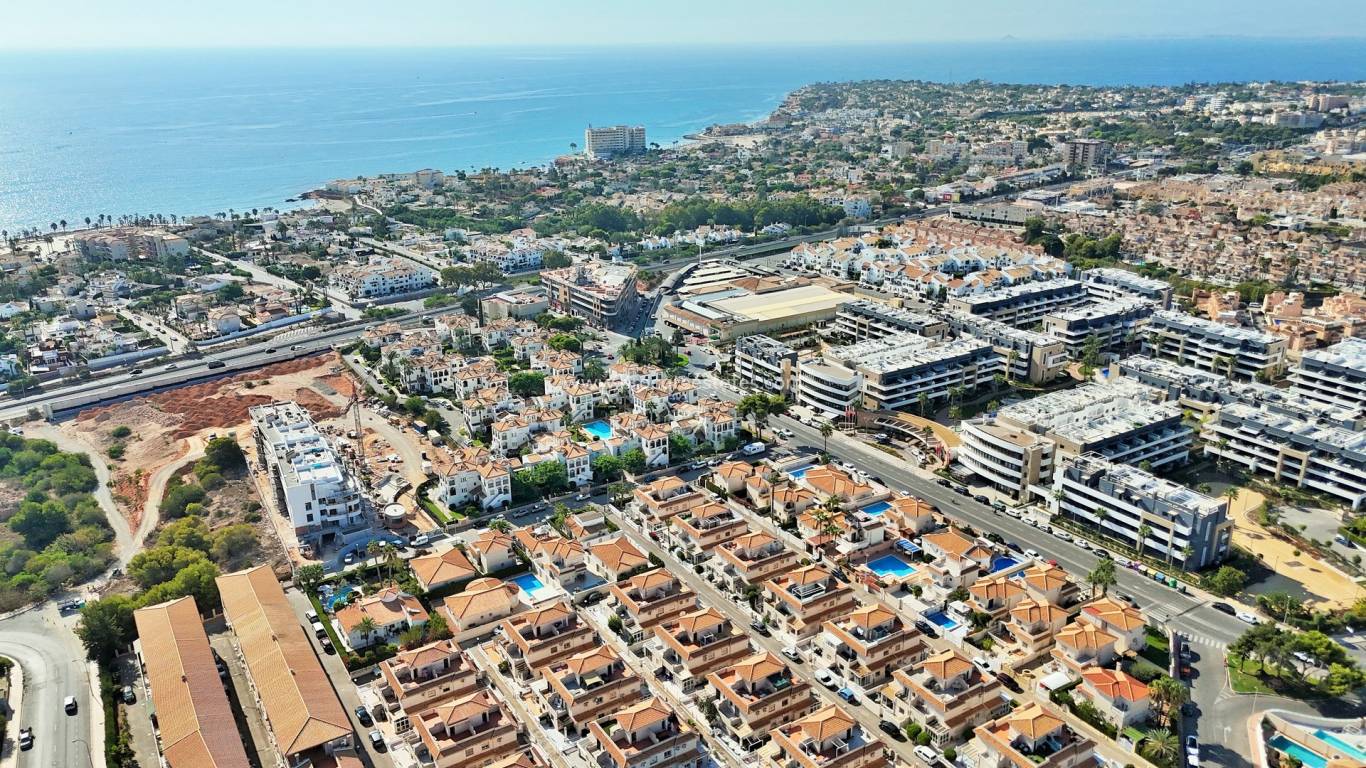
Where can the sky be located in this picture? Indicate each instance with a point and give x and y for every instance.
(62, 24)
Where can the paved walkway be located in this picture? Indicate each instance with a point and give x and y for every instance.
(1331, 587)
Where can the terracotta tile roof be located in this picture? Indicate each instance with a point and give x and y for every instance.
(189, 698)
(824, 723)
(947, 664)
(758, 667)
(1032, 721)
(1126, 617)
(643, 715)
(833, 482)
(1084, 636)
(591, 659)
(1045, 578)
(618, 555)
(1033, 610)
(951, 541)
(451, 565)
(385, 607)
(870, 616)
(480, 596)
(298, 699)
(1115, 684)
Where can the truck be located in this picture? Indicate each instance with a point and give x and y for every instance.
(753, 449)
(435, 437)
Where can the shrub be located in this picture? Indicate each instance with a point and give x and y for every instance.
(115, 451)
(120, 432)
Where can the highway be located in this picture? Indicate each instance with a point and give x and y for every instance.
(54, 667)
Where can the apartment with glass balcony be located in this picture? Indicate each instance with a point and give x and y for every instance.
(1320, 455)
(1335, 376)
(1176, 524)
(826, 738)
(800, 601)
(1109, 284)
(757, 694)
(765, 364)
(865, 319)
(695, 644)
(1021, 304)
(312, 486)
(1029, 355)
(946, 695)
(1237, 353)
(699, 530)
(597, 291)
(828, 388)
(895, 372)
(870, 642)
(1113, 324)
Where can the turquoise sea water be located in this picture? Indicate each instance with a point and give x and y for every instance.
(186, 132)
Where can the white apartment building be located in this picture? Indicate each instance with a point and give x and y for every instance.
(1228, 350)
(1327, 454)
(1110, 284)
(1029, 355)
(127, 244)
(1022, 304)
(383, 277)
(765, 364)
(828, 388)
(1179, 526)
(865, 319)
(597, 291)
(609, 141)
(1112, 323)
(1087, 153)
(1335, 376)
(311, 484)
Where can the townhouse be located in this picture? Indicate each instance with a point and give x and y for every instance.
(616, 559)
(947, 696)
(438, 571)
(752, 559)
(475, 730)
(542, 636)
(801, 601)
(1118, 696)
(647, 599)
(871, 641)
(415, 680)
(648, 734)
(701, 529)
(492, 551)
(379, 618)
(1032, 735)
(757, 694)
(1082, 645)
(587, 686)
(693, 644)
(480, 607)
(826, 738)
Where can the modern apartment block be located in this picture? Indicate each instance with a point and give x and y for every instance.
(1029, 355)
(1335, 376)
(311, 484)
(1182, 527)
(598, 291)
(1112, 323)
(893, 372)
(865, 319)
(1022, 304)
(1234, 352)
(1320, 454)
(1123, 420)
(612, 140)
(765, 364)
(1087, 153)
(380, 278)
(1109, 284)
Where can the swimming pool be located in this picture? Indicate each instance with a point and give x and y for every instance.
(891, 565)
(799, 472)
(876, 509)
(339, 597)
(532, 586)
(1002, 562)
(943, 622)
(599, 429)
(1343, 746)
(1306, 756)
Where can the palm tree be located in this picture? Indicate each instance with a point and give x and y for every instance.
(924, 403)
(1231, 493)
(1144, 530)
(1162, 744)
(827, 429)
(1103, 576)
(367, 627)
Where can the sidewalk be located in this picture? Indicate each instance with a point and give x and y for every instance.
(9, 742)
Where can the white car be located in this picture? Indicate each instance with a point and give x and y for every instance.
(1124, 561)
(1031, 554)
(1250, 618)
(927, 754)
(1064, 535)
(1083, 543)
(827, 678)
(792, 653)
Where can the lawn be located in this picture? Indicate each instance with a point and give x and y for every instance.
(1158, 650)
(1243, 682)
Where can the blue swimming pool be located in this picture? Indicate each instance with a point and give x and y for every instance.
(338, 598)
(599, 429)
(876, 508)
(939, 619)
(1306, 756)
(799, 472)
(1002, 562)
(1342, 745)
(535, 590)
(891, 565)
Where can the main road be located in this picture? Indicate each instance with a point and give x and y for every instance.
(54, 667)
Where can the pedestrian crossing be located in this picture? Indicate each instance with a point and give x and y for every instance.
(1203, 641)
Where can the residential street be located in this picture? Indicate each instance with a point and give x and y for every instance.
(54, 665)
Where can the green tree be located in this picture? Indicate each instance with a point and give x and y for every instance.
(190, 532)
(106, 626)
(40, 524)
(161, 564)
(234, 546)
(1102, 576)
(633, 461)
(526, 384)
(1161, 745)
(827, 429)
(224, 452)
(310, 577)
(197, 580)
(1167, 696)
(606, 467)
(1227, 581)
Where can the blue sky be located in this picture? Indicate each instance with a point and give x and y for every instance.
(570, 23)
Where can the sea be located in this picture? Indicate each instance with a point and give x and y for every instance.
(187, 132)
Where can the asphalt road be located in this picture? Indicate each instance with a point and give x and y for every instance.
(54, 667)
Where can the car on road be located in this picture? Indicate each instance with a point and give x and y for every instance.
(25, 739)
(827, 678)
(1192, 748)
(216, 363)
(792, 653)
(363, 716)
(419, 540)
(1250, 618)
(944, 482)
(1031, 554)
(927, 754)
(377, 740)
(1064, 535)
(890, 728)
(348, 558)
(326, 643)
(980, 499)
(759, 627)
(582, 496)
(135, 372)
(1224, 608)
(848, 696)
(172, 367)
(70, 606)
(270, 351)
(69, 705)
(962, 490)
(127, 695)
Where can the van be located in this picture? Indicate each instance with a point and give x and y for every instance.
(753, 449)
(319, 630)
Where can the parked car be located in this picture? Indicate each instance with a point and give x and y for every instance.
(1224, 608)
(962, 490)
(582, 496)
(1250, 618)
(69, 705)
(326, 643)
(127, 695)
(216, 364)
(1031, 554)
(364, 717)
(311, 615)
(927, 754)
(759, 627)
(25, 739)
(827, 678)
(847, 695)
(926, 628)
(1192, 748)
(944, 482)
(980, 499)
(792, 653)
(890, 728)
(319, 631)
(377, 740)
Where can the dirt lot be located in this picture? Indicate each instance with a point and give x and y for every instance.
(169, 430)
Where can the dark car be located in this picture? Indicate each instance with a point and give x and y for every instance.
(1224, 608)
(888, 727)
(759, 627)
(944, 482)
(127, 695)
(216, 363)
(926, 628)
(980, 499)
(962, 490)
(1010, 684)
(364, 717)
